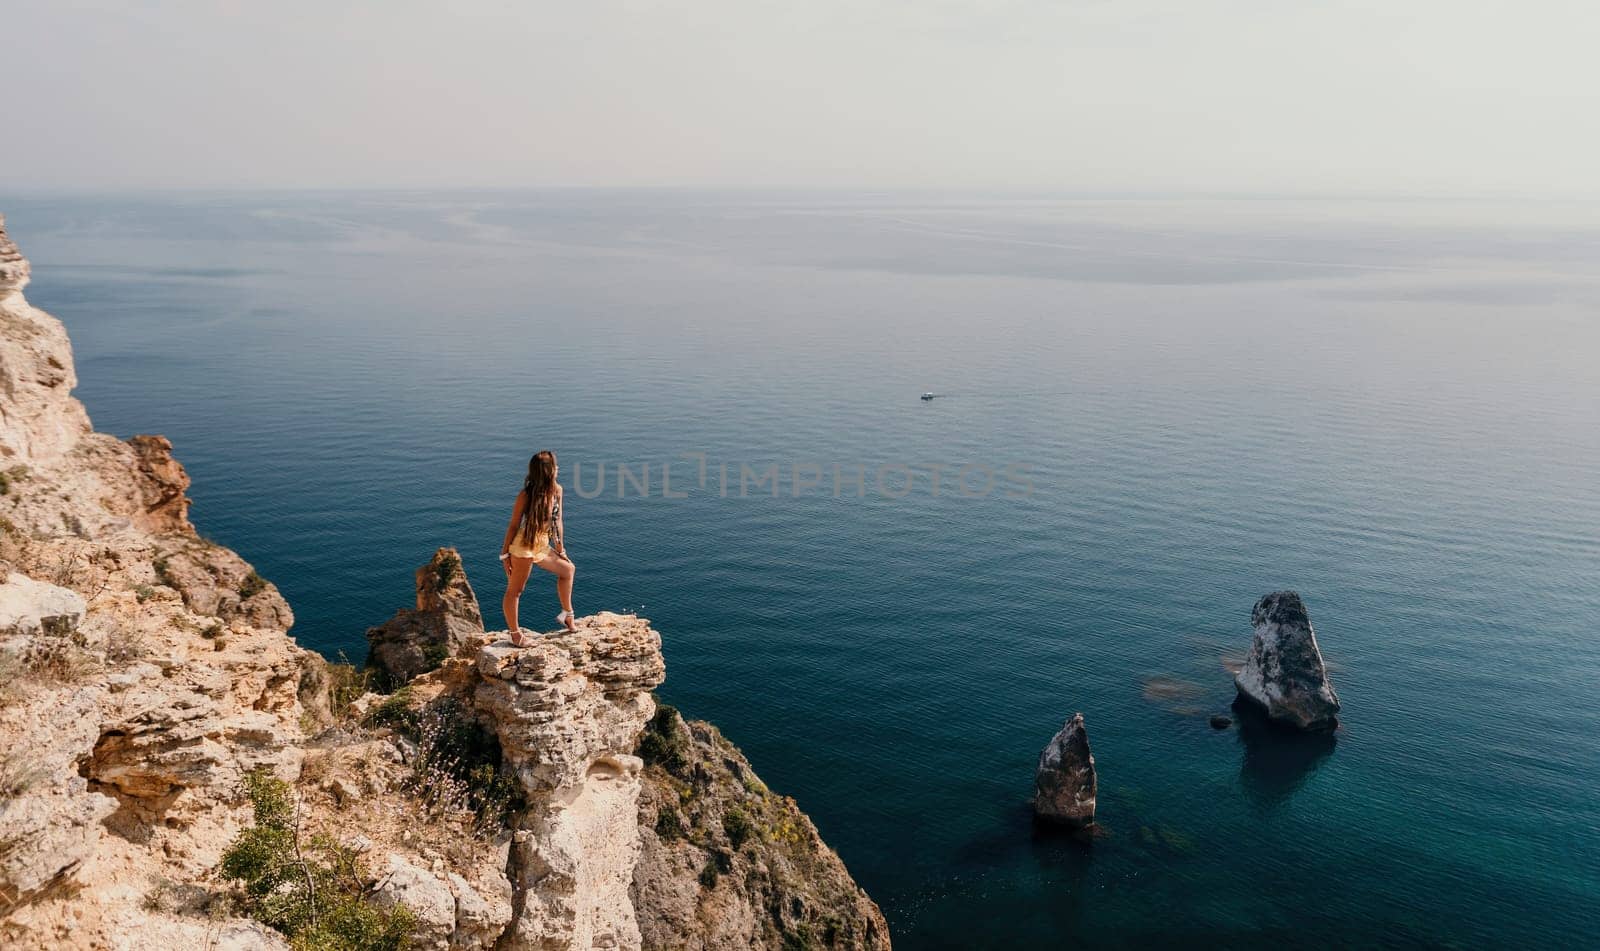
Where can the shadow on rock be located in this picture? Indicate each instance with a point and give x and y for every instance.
(1277, 760)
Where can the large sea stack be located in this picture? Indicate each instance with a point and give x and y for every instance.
(1284, 673)
(1064, 784)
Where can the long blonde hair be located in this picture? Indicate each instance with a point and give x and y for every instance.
(540, 489)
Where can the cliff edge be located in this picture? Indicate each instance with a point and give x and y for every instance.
(176, 771)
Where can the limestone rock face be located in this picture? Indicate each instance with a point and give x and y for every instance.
(568, 711)
(428, 898)
(50, 819)
(480, 918)
(1064, 783)
(729, 865)
(39, 419)
(142, 670)
(214, 581)
(248, 936)
(445, 618)
(162, 485)
(29, 607)
(13, 266)
(1284, 673)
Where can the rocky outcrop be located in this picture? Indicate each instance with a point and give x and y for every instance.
(31, 608)
(1284, 673)
(416, 641)
(13, 266)
(50, 823)
(162, 483)
(215, 582)
(1064, 784)
(592, 861)
(38, 416)
(727, 864)
(143, 670)
(428, 898)
(568, 711)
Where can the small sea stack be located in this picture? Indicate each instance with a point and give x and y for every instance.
(1064, 783)
(1284, 674)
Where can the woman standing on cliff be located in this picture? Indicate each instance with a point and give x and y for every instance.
(534, 537)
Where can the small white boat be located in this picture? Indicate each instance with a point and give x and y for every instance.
(928, 396)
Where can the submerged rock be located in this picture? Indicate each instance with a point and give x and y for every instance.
(1284, 673)
(1064, 784)
(414, 642)
(1221, 721)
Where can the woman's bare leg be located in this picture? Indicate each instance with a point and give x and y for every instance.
(564, 571)
(517, 570)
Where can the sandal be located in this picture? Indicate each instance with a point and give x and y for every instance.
(568, 620)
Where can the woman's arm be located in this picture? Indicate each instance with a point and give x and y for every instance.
(561, 528)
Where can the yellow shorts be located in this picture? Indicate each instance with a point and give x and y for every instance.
(538, 551)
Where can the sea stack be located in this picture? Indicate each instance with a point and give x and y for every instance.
(1064, 784)
(1284, 673)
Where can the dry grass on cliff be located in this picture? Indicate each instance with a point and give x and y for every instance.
(45, 662)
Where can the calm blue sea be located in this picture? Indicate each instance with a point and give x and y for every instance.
(1391, 407)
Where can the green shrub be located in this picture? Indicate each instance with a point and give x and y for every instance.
(445, 571)
(164, 573)
(738, 826)
(709, 874)
(668, 825)
(252, 585)
(459, 767)
(664, 743)
(395, 711)
(799, 939)
(143, 592)
(314, 891)
(347, 683)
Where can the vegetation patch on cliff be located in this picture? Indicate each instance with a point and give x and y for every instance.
(314, 891)
(705, 814)
(457, 766)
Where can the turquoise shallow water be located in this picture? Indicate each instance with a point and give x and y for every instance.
(1390, 407)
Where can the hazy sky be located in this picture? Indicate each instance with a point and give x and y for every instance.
(1187, 96)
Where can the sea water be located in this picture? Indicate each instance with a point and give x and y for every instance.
(1151, 412)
